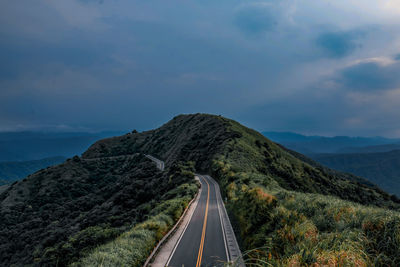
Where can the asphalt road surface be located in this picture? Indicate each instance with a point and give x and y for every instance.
(203, 242)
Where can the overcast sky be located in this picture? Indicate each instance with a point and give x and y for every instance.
(329, 67)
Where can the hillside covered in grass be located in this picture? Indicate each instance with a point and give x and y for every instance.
(107, 208)
(298, 212)
(58, 215)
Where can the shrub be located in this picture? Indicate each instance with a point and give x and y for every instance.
(134, 246)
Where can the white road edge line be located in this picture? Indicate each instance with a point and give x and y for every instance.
(184, 230)
(216, 186)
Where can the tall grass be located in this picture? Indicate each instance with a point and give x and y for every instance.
(285, 227)
(299, 229)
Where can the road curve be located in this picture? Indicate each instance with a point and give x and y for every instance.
(203, 242)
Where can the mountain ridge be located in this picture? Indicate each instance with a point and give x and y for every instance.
(259, 178)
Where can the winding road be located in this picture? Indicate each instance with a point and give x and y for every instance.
(203, 242)
(207, 237)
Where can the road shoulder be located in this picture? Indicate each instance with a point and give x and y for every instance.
(166, 250)
(234, 254)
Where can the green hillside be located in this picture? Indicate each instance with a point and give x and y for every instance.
(274, 194)
(287, 209)
(57, 215)
(299, 215)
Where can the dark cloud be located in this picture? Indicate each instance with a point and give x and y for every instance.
(15, 59)
(255, 19)
(370, 76)
(338, 44)
(92, 1)
(397, 57)
(134, 64)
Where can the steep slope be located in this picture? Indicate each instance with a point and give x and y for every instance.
(299, 212)
(203, 139)
(55, 216)
(279, 200)
(382, 169)
(12, 171)
(293, 212)
(198, 138)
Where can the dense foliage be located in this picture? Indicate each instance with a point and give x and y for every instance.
(134, 246)
(56, 215)
(278, 198)
(292, 213)
(196, 138)
(288, 210)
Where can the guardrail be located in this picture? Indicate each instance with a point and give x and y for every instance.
(160, 163)
(235, 255)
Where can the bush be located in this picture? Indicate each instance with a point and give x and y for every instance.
(134, 246)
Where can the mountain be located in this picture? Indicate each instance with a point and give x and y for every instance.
(369, 149)
(378, 163)
(382, 169)
(321, 144)
(55, 215)
(25, 146)
(12, 171)
(299, 212)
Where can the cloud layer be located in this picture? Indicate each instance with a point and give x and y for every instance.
(321, 67)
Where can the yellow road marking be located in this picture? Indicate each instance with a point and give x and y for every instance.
(203, 234)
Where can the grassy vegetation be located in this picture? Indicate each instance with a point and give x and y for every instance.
(58, 215)
(297, 212)
(289, 210)
(298, 229)
(292, 214)
(134, 246)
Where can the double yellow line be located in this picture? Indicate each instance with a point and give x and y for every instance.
(203, 234)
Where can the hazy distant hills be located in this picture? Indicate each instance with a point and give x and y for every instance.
(376, 158)
(15, 170)
(382, 169)
(25, 146)
(23, 153)
(371, 149)
(56, 215)
(338, 144)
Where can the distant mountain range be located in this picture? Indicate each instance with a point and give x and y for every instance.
(338, 144)
(15, 170)
(375, 158)
(382, 169)
(26, 146)
(281, 200)
(371, 149)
